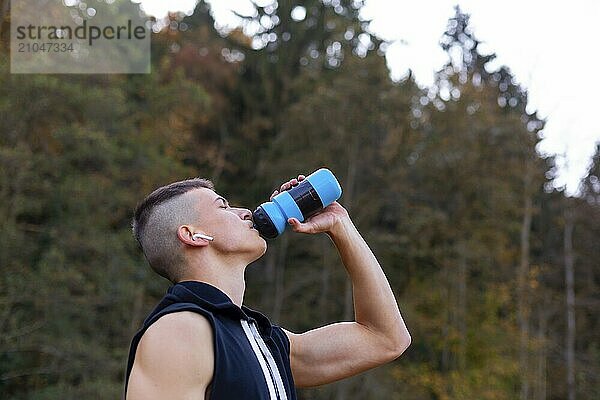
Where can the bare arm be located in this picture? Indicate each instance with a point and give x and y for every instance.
(174, 359)
(378, 334)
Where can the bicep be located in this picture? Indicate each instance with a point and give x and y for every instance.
(334, 352)
(174, 359)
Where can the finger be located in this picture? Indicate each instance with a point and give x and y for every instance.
(287, 185)
(273, 195)
(294, 223)
(292, 182)
(298, 226)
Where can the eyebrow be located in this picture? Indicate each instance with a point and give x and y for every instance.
(224, 200)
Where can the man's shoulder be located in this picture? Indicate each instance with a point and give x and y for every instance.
(187, 326)
(174, 355)
(170, 338)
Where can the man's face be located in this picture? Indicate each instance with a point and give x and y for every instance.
(231, 227)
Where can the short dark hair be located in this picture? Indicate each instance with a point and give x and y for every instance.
(144, 211)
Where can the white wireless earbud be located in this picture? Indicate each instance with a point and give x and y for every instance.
(202, 236)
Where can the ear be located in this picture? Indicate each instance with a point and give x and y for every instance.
(184, 234)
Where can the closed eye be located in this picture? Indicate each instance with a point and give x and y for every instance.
(224, 203)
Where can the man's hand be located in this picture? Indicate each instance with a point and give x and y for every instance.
(327, 220)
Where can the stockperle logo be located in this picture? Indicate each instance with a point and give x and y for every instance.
(78, 37)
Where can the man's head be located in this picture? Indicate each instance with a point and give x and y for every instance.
(166, 219)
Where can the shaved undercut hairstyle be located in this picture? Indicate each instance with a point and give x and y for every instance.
(156, 220)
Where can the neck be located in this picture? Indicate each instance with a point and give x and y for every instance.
(226, 274)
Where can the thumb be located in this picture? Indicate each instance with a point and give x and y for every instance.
(298, 226)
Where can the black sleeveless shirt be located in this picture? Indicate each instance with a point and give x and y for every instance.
(251, 355)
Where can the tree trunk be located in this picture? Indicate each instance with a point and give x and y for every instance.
(570, 295)
(540, 391)
(137, 314)
(268, 284)
(4, 9)
(461, 309)
(446, 298)
(522, 289)
(325, 278)
(279, 274)
(221, 155)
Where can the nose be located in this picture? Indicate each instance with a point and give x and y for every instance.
(245, 214)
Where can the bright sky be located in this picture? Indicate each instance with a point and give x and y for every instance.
(551, 48)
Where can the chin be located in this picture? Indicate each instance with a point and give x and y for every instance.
(254, 246)
(261, 249)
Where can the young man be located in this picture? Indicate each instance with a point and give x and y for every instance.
(200, 342)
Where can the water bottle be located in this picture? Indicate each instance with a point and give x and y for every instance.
(311, 195)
